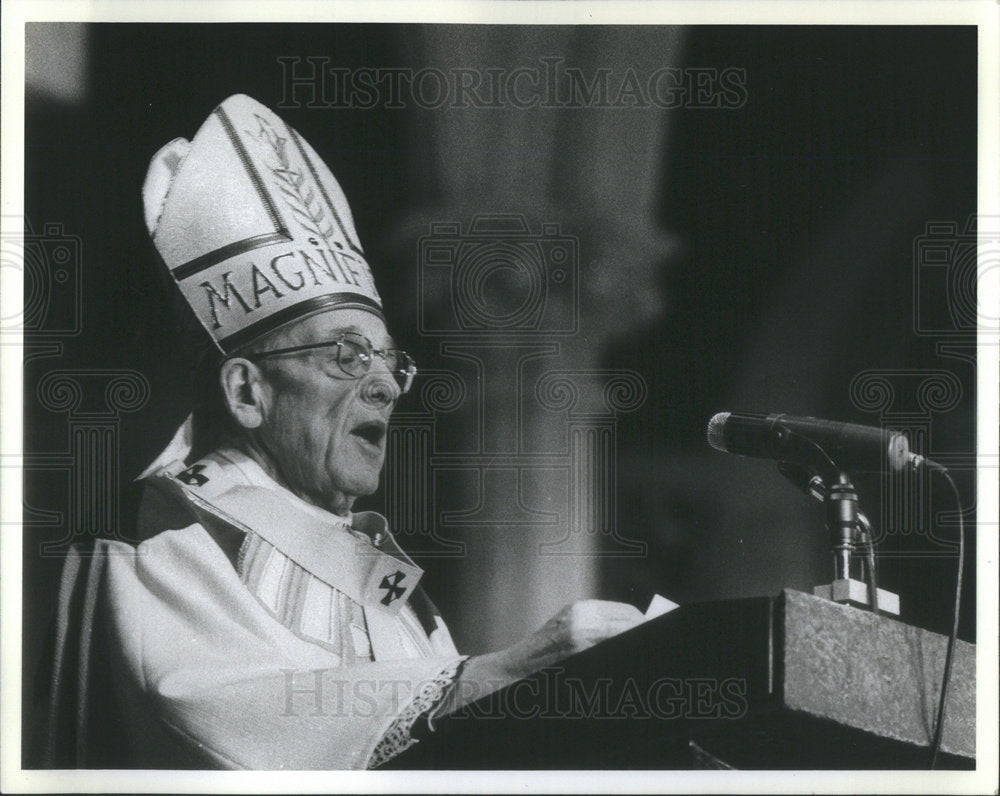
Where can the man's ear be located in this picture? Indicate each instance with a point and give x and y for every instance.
(244, 389)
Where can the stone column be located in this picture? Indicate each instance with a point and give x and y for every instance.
(545, 212)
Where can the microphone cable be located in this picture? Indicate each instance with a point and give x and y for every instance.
(950, 654)
(868, 542)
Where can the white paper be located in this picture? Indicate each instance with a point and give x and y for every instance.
(660, 605)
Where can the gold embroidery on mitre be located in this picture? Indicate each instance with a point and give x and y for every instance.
(300, 197)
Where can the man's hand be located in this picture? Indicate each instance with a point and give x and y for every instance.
(575, 628)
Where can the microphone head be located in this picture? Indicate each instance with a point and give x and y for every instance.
(717, 431)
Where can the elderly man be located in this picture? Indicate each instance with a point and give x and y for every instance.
(262, 623)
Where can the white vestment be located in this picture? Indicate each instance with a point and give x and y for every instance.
(250, 630)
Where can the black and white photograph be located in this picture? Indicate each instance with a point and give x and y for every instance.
(488, 396)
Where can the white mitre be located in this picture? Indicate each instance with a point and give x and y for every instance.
(253, 226)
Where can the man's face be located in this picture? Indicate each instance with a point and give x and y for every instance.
(325, 430)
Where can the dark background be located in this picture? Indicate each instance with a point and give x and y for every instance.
(794, 220)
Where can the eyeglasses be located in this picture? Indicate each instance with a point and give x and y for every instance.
(353, 353)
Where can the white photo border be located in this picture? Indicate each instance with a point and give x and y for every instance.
(16, 13)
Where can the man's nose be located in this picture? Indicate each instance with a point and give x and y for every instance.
(378, 388)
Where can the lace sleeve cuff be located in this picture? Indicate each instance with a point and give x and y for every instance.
(398, 738)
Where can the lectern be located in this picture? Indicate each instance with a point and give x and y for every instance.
(793, 681)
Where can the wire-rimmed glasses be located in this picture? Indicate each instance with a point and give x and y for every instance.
(354, 353)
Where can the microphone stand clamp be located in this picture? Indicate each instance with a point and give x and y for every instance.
(847, 527)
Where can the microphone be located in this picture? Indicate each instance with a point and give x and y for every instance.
(805, 440)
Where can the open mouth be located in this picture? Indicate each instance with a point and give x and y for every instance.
(372, 432)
